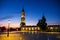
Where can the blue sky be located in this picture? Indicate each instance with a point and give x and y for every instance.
(34, 10)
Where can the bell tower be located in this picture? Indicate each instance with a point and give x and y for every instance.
(22, 18)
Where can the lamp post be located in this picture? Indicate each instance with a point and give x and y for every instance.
(8, 28)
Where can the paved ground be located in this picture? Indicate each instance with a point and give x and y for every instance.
(16, 35)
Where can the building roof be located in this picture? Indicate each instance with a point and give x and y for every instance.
(53, 25)
(30, 26)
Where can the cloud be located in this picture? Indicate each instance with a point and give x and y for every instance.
(6, 17)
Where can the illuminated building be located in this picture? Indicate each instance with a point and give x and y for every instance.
(24, 27)
(30, 28)
(54, 27)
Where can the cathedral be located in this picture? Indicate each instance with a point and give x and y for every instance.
(23, 25)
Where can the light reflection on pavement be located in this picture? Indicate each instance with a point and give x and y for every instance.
(30, 36)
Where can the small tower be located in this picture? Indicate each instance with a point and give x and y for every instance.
(22, 18)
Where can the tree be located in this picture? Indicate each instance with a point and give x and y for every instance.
(39, 23)
(3, 28)
(42, 23)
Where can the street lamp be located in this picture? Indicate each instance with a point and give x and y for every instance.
(8, 28)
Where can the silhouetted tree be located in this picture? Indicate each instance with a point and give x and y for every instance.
(12, 29)
(42, 23)
(3, 28)
(0, 29)
(39, 23)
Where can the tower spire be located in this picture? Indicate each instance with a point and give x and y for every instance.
(22, 18)
(22, 9)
